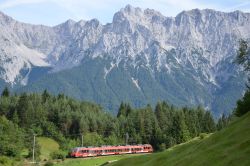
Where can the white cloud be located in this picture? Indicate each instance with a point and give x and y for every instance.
(12, 3)
(88, 8)
(241, 6)
(76, 5)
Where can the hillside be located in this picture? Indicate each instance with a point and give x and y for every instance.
(48, 146)
(230, 146)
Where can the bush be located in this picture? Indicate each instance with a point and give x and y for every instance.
(202, 135)
(5, 161)
(57, 155)
(162, 147)
(49, 163)
(12, 139)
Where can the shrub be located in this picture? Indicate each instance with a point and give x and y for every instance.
(49, 163)
(162, 147)
(5, 161)
(57, 155)
(202, 135)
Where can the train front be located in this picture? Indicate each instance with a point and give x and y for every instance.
(74, 152)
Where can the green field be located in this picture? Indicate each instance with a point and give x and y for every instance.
(230, 146)
(48, 146)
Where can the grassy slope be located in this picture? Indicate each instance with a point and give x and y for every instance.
(48, 146)
(92, 161)
(230, 146)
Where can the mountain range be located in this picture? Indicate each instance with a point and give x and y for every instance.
(141, 57)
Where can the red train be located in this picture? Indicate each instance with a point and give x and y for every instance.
(110, 150)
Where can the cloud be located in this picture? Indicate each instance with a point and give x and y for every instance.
(240, 6)
(88, 9)
(75, 5)
(12, 3)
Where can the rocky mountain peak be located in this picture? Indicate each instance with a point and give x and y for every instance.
(94, 23)
(196, 47)
(5, 20)
(130, 10)
(81, 22)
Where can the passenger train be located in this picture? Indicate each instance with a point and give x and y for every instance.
(110, 150)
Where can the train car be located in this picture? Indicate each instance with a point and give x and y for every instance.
(110, 150)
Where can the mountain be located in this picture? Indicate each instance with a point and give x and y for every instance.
(141, 57)
(226, 147)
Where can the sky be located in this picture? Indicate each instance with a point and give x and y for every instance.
(54, 12)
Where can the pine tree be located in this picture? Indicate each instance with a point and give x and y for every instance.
(22, 110)
(45, 96)
(6, 92)
(15, 118)
(208, 124)
(243, 59)
(243, 105)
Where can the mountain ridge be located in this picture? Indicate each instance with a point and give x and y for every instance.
(184, 59)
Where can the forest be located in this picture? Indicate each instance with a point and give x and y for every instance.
(75, 123)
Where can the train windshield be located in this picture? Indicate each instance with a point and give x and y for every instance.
(74, 150)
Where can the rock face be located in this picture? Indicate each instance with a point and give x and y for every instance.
(141, 57)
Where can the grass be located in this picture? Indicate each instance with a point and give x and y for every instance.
(92, 161)
(48, 146)
(230, 146)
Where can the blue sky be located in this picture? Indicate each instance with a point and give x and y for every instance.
(53, 12)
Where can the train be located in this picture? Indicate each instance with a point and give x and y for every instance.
(110, 150)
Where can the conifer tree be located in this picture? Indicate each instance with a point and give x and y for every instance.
(6, 92)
